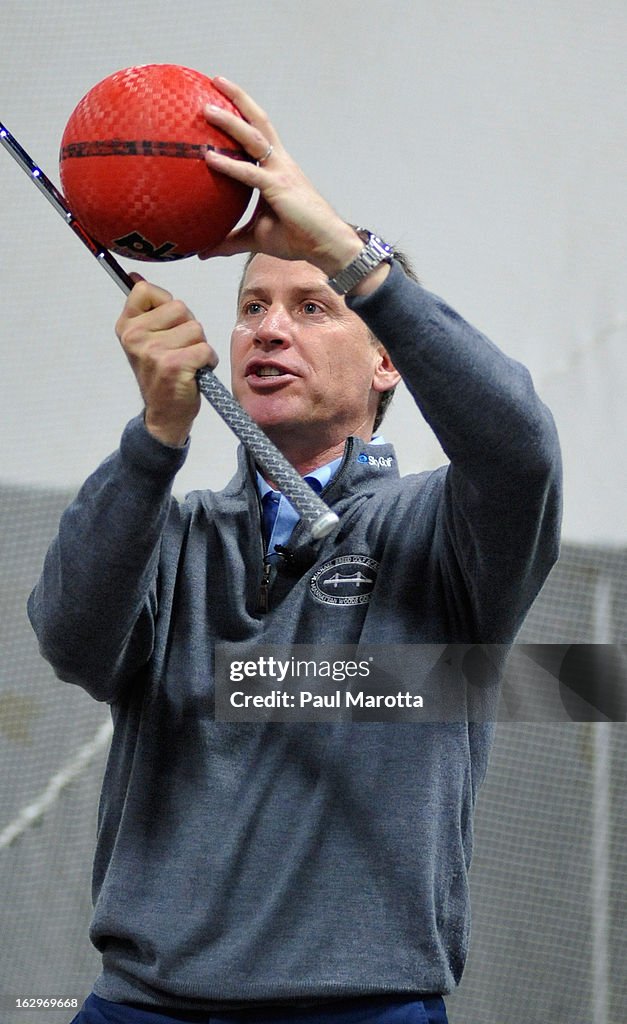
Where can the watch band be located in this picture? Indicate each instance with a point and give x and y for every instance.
(375, 252)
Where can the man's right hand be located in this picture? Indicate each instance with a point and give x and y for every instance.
(165, 346)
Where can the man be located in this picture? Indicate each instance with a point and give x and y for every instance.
(272, 872)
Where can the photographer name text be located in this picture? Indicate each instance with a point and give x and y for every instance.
(339, 699)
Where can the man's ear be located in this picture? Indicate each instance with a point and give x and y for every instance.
(385, 376)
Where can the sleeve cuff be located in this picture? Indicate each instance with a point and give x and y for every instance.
(145, 452)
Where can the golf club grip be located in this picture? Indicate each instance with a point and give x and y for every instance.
(310, 507)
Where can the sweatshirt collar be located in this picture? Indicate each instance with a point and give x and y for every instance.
(317, 478)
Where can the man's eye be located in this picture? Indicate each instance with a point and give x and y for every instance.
(253, 308)
(311, 307)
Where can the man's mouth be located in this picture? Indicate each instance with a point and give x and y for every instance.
(260, 370)
(268, 371)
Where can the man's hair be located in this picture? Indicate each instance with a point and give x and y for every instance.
(386, 397)
(405, 263)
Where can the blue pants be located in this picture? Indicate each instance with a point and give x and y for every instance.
(397, 1010)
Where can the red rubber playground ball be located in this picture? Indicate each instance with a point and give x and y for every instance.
(132, 164)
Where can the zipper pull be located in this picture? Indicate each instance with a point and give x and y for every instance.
(263, 604)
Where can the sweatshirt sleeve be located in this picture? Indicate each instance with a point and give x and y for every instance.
(94, 605)
(500, 511)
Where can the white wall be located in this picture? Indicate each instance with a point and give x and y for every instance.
(487, 138)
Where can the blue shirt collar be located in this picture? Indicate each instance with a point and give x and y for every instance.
(318, 478)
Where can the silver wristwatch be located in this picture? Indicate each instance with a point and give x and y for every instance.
(375, 251)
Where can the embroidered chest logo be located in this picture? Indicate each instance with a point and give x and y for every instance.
(347, 580)
(376, 461)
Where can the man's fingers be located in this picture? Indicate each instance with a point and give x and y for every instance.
(247, 107)
(185, 359)
(253, 140)
(250, 138)
(253, 131)
(145, 296)
(151, 311)
(182, 336)
(171, 314)
(154, 343)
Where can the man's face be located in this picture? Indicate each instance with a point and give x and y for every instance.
(301, 362)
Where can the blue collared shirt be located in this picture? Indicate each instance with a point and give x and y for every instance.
(283, 515)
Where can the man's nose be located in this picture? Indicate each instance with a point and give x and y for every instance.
(275, 328)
